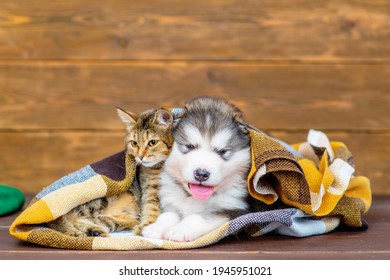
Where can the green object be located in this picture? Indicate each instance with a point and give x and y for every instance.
(11, 200)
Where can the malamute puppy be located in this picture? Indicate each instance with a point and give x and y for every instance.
(203, 183)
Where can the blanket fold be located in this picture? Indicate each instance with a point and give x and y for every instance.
(314, 180)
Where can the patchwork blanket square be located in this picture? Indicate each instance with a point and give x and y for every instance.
(314, 180)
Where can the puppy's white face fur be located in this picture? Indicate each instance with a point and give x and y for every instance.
(203, 183)
(213, 154)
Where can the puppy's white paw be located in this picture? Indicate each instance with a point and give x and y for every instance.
(180, 234)
(153, 231)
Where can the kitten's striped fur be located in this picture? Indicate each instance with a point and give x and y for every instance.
(149, 140)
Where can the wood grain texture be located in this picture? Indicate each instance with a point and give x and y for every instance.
(196, 30)
(287, 97)
(31, 161)
(289, 65)
(372, 244)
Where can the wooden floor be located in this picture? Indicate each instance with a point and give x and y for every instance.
(371, 244)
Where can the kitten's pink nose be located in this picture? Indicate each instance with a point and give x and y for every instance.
(141, 154)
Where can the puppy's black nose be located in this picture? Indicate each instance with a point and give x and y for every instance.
(201, 175)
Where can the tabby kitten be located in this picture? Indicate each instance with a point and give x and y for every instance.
(149, 141)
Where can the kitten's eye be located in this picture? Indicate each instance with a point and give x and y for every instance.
(133, 143)
(152, 143)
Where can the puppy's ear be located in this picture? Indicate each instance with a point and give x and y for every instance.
(238, 118)
(127, 117)
(243, 127)
(163, 117)
(177, 113)
(236, 113)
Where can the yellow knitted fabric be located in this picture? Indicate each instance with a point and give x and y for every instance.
(311, 181)
(314, 178)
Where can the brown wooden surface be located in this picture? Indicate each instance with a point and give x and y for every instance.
(175, 29)
(289, 65)
(371, 244)
(84, 95)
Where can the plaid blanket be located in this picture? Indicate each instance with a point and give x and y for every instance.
(314, 180)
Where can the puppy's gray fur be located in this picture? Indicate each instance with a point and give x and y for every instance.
(203, 184)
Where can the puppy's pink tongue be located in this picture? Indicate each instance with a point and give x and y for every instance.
(201, 192)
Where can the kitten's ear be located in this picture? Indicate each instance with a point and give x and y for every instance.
(163, 117)
(128, 118)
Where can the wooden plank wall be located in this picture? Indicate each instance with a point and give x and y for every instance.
(289, 65)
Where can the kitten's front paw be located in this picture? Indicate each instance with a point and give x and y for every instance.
(87, 231)
(137, 230)
(75, 233)
(97, 232)
(180, 234)
(153, 231)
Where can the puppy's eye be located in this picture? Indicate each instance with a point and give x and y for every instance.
(190, 147)
(152, 143)
(186, 148)
(133, 143)
(222, 152)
